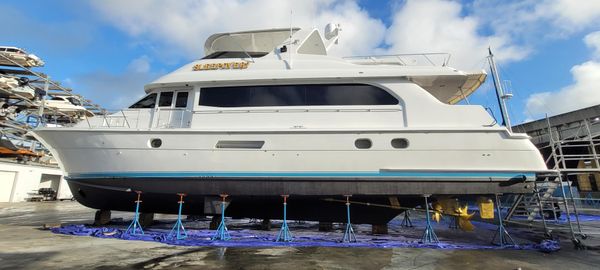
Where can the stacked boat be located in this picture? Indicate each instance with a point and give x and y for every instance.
(17, 57)
(29, 99)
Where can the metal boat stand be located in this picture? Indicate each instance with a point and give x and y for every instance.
(222, 233)
(284, 234)
(504, 238)
(406, 221)
(452, 222)
(178, 229)
(429, 236)
(135, 228)
(349, 235)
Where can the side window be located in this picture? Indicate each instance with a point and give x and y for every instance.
(145, 103)
(74, 101)
(296, 95)
(181, 100)
(166, 99)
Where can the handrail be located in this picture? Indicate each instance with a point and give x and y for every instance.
(401, 59)
(124, 118)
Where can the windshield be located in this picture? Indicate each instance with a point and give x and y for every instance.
(145, 103)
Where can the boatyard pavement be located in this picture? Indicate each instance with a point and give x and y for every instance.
(24, 244)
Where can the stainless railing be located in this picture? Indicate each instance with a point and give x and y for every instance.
(174, 118)
(418, 59)
(136, 118)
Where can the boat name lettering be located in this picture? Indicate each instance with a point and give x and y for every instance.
(215, 66)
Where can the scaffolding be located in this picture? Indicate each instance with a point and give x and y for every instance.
(571, 151)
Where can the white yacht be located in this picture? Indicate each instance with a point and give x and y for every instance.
(69, 105)
(14, 87)
(13, 56)
(269, 112)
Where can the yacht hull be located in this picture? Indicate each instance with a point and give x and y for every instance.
(105, 166)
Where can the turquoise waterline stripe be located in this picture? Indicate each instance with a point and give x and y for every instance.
(440, 174)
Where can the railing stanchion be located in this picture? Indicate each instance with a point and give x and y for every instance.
(125, 119)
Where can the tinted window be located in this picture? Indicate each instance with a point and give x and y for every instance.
(74, 101)
(181, 101)
(166, 99)
(147, 102)
(295, 95)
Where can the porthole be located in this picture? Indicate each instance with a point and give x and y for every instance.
(363, 143)
(400, 143)
(155, 143)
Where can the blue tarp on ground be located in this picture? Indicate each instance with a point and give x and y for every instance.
(253, 238)
(563, 218)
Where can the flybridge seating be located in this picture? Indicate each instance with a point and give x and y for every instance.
(420, 59)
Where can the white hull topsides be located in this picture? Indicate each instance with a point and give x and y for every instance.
(197, 134)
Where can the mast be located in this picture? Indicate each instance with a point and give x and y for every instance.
(499, 92)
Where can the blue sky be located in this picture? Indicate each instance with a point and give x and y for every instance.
(107, 50)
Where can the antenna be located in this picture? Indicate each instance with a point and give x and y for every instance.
(291, 43)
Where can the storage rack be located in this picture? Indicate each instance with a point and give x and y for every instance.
(20, 114)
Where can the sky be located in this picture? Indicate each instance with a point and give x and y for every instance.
(548, 51)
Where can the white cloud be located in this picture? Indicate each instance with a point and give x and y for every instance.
(440, 26)
(116, 91)
(140, 64)
(592, 40)
(533, 21)
(570, 15)
(180, 27)
(582, 93)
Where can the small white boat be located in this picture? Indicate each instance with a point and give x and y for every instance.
(13, 56)
(69, 105)
(14, 87)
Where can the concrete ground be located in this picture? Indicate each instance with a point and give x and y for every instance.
(24, 244)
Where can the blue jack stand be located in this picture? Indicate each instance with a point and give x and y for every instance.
(135, 228)
(178, 229)
(222, 232)
(284, 234)
(504, 238)
(406, 222)
(349, 235)
(429, 235)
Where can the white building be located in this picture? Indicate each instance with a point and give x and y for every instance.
(18, 181)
